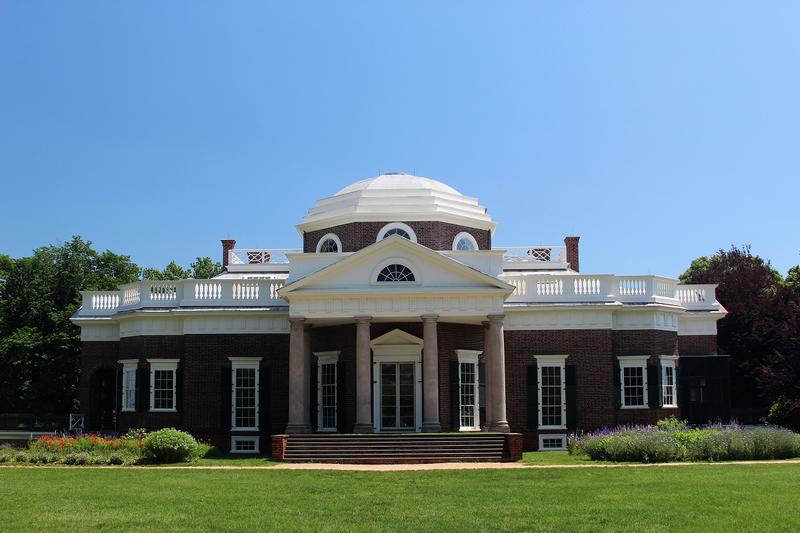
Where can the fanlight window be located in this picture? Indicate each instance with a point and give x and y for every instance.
(329, 246)
(397, 231)
(394, 273)
(464, 243)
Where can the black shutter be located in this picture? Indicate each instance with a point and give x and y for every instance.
(264, 388)
(225, 399)
(653, 386)
(617, 386)
(179, 388)
(118, 401)
(482, 392)
(142, 389)
(533, 397)
(313, 401)
(455, 404)
(571, 399)
(340, 387)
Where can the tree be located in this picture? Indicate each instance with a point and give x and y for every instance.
(202, 268)
(39, 346)
(793, 278)
(206, 268)
(171, 272)
(748, 286)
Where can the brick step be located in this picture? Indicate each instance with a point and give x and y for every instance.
(334, 456)
(383, 442)
(391, 444)
(292, 453)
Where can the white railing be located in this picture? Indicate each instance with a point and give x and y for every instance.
(580, 288)
(184, 293)
(533, 254)
(260, 256)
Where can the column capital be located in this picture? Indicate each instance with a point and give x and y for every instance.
(430, 317)
(363, 319)
(495, 318)
(297, 319)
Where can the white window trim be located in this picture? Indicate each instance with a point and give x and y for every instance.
(562, 436)
(411, 265)
(163, 364)
(668, 361)
(245, 362)
(552, 361)
(128, 365)
(237, 438)
(326, 358)
(465, 235)
(334, 238)
(397, 225)
(633, 361)
(470, 357)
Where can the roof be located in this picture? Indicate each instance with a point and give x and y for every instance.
(397, 197)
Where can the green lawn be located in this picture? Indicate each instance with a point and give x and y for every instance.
(557, 458)
(696, 497)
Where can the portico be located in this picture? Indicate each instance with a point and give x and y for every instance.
(397, 375)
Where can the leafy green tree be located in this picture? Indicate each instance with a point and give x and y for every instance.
(206, 268)
(171, 271)
(793, 278)
(39, 346)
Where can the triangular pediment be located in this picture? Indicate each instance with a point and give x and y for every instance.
(431, 270)
(394, 338)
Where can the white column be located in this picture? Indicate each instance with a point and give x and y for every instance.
(489, 360)
(497, 356)
(298, 375)
(363, 376)
(430, 374)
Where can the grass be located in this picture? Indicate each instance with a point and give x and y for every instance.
(695, 497)
(557, 458)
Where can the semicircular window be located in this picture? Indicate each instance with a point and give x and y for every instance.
(396, 272)
(397, 231)
(464, 243)
(329, 246)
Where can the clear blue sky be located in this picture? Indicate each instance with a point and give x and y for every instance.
(656, 131)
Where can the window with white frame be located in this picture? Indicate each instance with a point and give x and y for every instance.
(552, 442)
(163, 384)
(244, 444)
(244, 392)
(633, 382)
(129, 367)
(552, 391)
(329, 244)
(468, 390)
(327, 377)
(669, 394)
(464, 242)
(397, 228)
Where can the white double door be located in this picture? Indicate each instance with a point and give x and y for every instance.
(397, 394)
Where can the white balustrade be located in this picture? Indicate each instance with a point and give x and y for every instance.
(260, 256)
(533, 254)
(696, 296)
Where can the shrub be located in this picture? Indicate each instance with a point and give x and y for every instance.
(135, 434)
(712, 443)
(169, 445)
(672, 423)
(77, 458)
(21, 457)
(116, 459)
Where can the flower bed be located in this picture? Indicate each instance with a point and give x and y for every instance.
(674, 441)
(135, 447)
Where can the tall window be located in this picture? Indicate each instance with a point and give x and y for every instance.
(552, 391)
(669, 396)
(633, 380)
(129, 384)
(244, 393)
(468, 390)
(162, 384)
(327, 377)
(395, 273)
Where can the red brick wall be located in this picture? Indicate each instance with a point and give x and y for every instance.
(645, 342)
(95, 355)
(434, 235)
(698, 344)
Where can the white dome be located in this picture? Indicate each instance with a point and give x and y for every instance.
(397, 197)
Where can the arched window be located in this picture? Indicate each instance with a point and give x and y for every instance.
(329, 244)
(395, 273)
(464, 242)
(397, 228)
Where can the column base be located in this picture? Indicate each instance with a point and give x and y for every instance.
(431, 427)
(363, 428)
(500, 427)
(298, 429)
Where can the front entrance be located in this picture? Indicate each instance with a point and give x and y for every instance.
(102, 409)
(398, 405)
